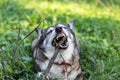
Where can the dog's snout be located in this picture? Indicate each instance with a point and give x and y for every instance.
(58, 29)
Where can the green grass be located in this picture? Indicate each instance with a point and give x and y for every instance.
(97, 29)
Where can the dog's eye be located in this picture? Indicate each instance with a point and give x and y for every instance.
(50, 30)
(65, 27)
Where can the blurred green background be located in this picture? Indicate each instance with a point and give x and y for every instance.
(97, 29)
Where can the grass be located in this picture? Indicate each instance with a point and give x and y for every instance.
(97, 29)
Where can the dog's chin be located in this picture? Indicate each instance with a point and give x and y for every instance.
(60, 41)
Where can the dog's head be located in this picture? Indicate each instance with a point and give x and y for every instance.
(59, 35)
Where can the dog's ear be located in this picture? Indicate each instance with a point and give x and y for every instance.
(39, 32)
(71, 24)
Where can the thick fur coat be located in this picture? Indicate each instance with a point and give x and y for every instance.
(66, 65)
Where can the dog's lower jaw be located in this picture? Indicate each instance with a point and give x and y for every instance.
(64, 47)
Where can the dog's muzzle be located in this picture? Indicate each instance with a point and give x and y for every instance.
(60, 39)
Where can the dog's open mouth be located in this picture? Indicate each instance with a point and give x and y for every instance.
(60, 41)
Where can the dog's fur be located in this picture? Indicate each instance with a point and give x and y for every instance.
(66, 65)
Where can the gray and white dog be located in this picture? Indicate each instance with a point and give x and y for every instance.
(66, 65)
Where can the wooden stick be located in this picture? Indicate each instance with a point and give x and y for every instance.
(34, 29)
(51, 61)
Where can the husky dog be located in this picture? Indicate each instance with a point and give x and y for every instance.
(66, 65)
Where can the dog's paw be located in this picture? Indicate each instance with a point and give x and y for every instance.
(47, 77)
(41, 75)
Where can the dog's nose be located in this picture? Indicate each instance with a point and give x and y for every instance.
(58, 30)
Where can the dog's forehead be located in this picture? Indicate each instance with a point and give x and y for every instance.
(53, 27)
(49, 28)
(60, 25)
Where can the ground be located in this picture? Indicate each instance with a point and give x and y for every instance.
(97, 29)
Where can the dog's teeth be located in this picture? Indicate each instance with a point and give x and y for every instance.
(57, 37)
(62, 46)
(64, 39)
(60, 42)
(53, 43)
(57, 44)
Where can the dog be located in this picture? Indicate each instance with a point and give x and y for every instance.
(66, 65)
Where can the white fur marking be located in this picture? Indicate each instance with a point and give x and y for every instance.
(61, 25)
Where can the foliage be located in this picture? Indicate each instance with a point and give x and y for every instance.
(97, 29)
